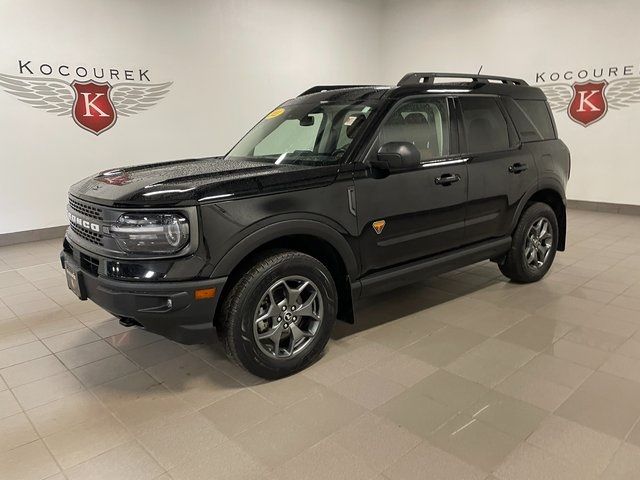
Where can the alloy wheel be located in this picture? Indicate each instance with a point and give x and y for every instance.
(538, 243)
(288, 317)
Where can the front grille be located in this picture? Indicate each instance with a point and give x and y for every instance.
(88, 235)
(85, 209)
(89, 263)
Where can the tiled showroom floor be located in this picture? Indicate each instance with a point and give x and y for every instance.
(464, 376)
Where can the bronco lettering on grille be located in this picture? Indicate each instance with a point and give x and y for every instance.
(73, 218)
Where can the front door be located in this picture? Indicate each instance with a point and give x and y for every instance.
(420, 212)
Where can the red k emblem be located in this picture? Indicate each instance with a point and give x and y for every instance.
(92, 107)
(588, 104)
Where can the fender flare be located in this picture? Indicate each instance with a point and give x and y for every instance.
(548, 184)
(283, 228)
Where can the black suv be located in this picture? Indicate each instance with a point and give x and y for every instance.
(340, 193)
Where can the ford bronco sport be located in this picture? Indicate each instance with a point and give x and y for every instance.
(340, 193)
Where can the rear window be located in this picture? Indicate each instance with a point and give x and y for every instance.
(532, 119)
(485, 126)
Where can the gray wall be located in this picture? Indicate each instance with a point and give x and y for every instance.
(231, 62)
(523, 38)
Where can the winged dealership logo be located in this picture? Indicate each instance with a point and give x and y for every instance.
(94, 106)
(589, 101)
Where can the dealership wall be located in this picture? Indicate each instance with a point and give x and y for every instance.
(524, 38)
(230, 62)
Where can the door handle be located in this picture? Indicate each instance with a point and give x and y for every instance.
(447, 179)
(517, 168)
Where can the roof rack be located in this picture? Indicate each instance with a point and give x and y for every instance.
(326, 88)
(415, 78)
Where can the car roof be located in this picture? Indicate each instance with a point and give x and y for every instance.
(341, 93)
(425, 83)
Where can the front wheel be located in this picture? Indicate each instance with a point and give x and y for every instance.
(534, 245)
(278, 317)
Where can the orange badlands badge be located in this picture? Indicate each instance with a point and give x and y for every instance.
(378, 226)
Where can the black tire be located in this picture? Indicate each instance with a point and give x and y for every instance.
(515, 265)
(240, 305)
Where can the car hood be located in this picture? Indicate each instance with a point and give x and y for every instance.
(190, 182)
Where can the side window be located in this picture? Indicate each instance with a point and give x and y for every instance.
(423, 122)
(290, 136)
(525, 126)
(538, 114)
(485, 127)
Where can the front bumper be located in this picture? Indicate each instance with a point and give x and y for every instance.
(167, 308)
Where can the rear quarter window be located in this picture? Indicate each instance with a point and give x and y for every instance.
(532, 119)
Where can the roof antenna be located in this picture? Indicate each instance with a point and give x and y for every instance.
(480, 69)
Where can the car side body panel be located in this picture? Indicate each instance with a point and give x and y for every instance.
(234, 229)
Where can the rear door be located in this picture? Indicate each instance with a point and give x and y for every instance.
(500, 171)
(536, 128)
(420, 212)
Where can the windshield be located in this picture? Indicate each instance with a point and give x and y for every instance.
(305, 133)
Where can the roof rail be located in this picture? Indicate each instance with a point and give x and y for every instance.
(326, 88)
(415, 78)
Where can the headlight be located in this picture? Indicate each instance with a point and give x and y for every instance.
(151, 232)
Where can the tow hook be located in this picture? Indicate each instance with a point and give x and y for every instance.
(130, 322)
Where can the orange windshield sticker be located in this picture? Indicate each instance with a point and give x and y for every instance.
(276, 113)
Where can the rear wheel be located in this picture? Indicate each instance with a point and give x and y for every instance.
(534, 245)
(278, 317)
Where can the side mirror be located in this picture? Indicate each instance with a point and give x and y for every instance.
(396, 156)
